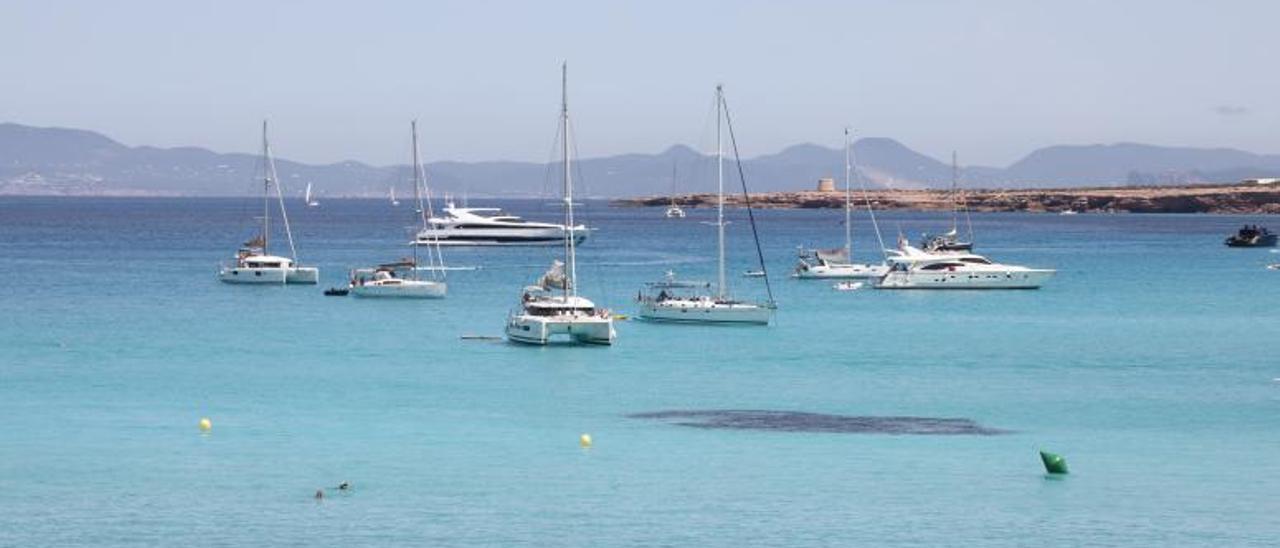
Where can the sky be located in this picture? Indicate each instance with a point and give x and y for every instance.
(993, 80)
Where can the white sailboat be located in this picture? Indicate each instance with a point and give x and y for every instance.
(950, 241)
(400, 279)
(552, 308)
(672, 300)
(394, 201)
(673, 210)
(309, 198)
(828, 264)
(254, 264)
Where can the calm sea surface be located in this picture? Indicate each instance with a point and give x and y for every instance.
(1149, 362)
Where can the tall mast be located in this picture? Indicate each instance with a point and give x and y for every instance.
(417, 194)
(284, 213)
(720, 286)
(571, 284)
(266, 189)
(955, 197)
(848, 214)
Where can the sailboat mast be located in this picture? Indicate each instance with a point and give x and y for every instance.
(848, 190)
(720, 286)
(571, 283)
(955, 199)
(266, 190)
(284, 213)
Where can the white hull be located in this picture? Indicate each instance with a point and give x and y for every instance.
(250, 275)
(405, 289)
(842, 271)
(497, 237)
(704, 311)
(530, 329)
(989, 279)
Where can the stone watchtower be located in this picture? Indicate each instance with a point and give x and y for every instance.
(826, 184)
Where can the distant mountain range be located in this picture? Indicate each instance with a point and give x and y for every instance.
(55, 161)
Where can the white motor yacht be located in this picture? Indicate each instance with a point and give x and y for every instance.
(553, 309)
(491, 226)
(912, 268)
(672, 300)
(836, 263)
(254, 264)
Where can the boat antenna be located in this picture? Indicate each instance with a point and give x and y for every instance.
(273, 176)
(571, 285)
(867, 198)
(746, 198)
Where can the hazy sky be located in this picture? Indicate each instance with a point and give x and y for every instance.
(339, 80)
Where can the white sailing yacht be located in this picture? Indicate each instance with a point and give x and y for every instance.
(950, 241)
(827, 264)
(394, 201)
(673, 210)
(400, 279)
(309, 198)
(672, 300)
(552, 308)
(254, 264)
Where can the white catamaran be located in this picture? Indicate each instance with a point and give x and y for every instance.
(254, 264)
(400, 279)
(837, 263)
(673, 300)
(553, 308)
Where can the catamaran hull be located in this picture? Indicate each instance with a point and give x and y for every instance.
(746, 315)
(845, 272)
(542, 330)
(242, 275)
(1000, 279)
(302, 275)
(423, 290)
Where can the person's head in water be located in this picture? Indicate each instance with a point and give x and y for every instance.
(319, 494)
(344, 486)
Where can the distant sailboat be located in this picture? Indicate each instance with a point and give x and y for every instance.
(950, 241)
(672, 300)
(674, 211)
(310, 198)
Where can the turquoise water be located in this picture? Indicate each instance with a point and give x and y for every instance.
(1148, 362)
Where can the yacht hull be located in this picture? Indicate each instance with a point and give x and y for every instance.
(994, 279)
(302, 275)
(407, 290)
(683, 311)
(541, 330)
(497, 237)
(842, 271)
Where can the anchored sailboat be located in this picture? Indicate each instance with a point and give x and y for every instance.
(400, 278)
(309, 198)
(673, 300)
(254, 264)
(826, 263)
(673, 210)
(553, 307)
(950, 241)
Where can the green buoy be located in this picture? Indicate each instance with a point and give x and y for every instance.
(1053, 463)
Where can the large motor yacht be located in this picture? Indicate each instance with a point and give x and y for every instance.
(913, 268)
(491, 226)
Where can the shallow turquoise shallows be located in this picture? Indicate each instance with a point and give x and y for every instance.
(1149, 362)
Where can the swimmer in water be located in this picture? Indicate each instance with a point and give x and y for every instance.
(319, 494)
(344, 486)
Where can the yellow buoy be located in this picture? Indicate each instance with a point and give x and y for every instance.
(206, 424)
(585, 441)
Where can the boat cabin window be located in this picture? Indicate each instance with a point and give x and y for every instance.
(940, 266)
(556, 311)
(975, 260)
